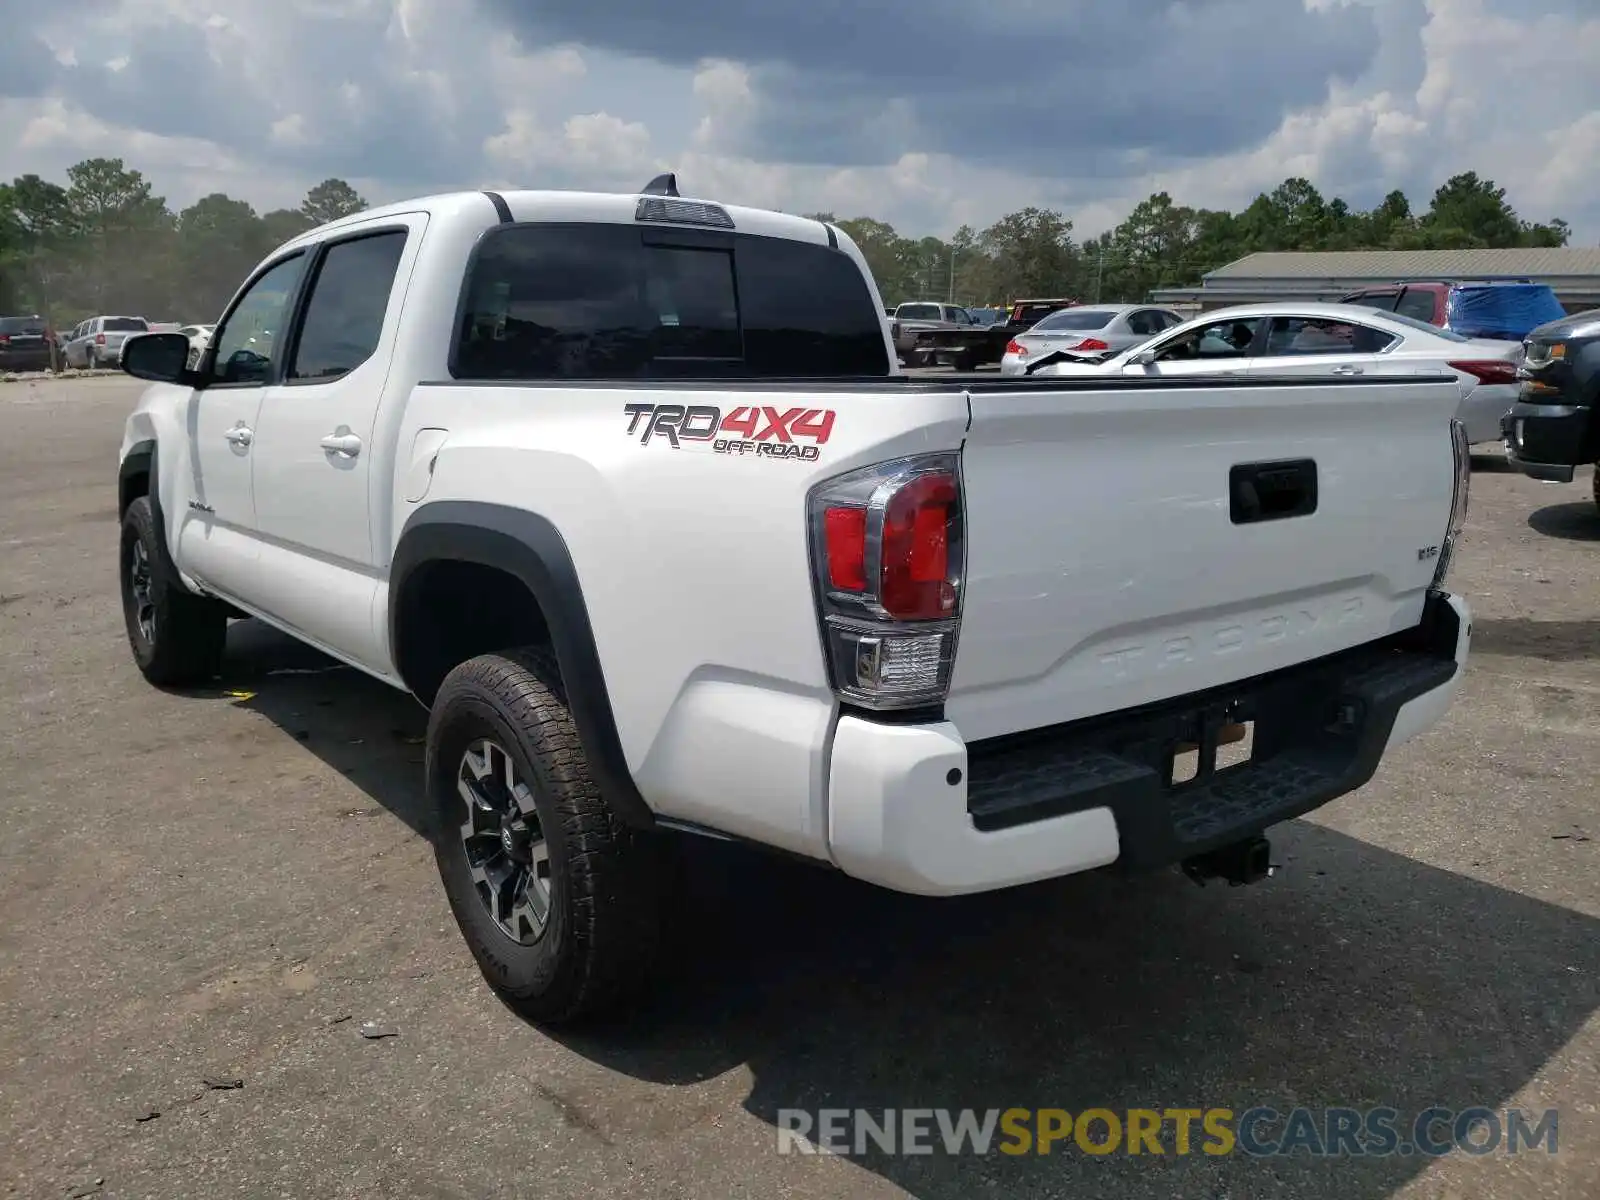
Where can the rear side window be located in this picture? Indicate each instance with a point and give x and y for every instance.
(349, 297)
(1315, 335)
(603, 302)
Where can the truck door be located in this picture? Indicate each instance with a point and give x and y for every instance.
(319, 450)
(215, 533)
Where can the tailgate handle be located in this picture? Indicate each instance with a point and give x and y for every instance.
(1272, 491)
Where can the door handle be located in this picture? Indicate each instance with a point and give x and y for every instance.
(347, 445)
(1347, 369)
(240, 435)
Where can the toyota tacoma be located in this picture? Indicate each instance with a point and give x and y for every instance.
(628, 492)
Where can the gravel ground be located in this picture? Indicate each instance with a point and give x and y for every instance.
(204, 890)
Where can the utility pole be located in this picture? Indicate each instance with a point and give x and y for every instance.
(1100, 272)
(951, 298)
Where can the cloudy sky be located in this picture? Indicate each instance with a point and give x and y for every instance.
(925, 113)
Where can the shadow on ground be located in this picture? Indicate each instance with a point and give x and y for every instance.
(1356, 978)
(1553, 641)
(370, 733)
(1490, 464)
(1579, 522)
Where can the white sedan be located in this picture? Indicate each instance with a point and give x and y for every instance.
(1290, 338)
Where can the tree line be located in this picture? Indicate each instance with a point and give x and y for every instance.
(1034, 253)
(103, 242)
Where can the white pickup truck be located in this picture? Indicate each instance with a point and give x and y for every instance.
(627, 490)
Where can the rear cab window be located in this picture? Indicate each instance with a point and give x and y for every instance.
(1382, 301)
(918, 312)
(1075, 320)
(1417, 304)
(599, 301)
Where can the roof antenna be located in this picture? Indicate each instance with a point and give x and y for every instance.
(662, 185)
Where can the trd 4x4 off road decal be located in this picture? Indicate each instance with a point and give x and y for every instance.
(762, 431)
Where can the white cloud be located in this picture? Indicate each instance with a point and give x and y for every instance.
(398, 96)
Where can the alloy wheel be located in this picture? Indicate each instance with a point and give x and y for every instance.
(507, 855)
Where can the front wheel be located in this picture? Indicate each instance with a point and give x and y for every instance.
(559, 901)
(177, 637)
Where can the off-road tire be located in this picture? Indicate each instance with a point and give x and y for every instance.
(609, 882)
(185, 642)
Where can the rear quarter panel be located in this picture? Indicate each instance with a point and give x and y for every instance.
(693, 566)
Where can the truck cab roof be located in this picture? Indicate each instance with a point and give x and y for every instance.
(621, 208)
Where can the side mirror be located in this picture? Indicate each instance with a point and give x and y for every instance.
(1142, 359)
(158, 357)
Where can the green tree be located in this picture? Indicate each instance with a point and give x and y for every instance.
(886, 254)
(1468, 211)
(330, 200)
(42, 236)
(220, 241)
(1034, 254)
(123, 235)
(285, 224)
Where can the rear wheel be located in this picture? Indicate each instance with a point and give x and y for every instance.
(1594, 485)
(559, 901)
(177, 637)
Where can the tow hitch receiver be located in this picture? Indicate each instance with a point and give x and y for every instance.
(1249, 861)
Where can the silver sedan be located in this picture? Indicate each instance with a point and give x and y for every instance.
(1090, 331)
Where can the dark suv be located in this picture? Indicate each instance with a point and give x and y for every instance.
(1554, 428)
(1505, 310)
(25, 343)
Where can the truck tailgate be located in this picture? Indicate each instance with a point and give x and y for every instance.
(1132, 541)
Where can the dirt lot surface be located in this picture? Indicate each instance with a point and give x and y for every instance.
(203, 897)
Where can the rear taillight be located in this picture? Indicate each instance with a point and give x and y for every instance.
(1461, 450)
(99, 339)
(1489, 370)
(5, 339)
(1092, 344)
(1017, 348)
(888, 550)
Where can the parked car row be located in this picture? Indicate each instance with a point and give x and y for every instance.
(27, 342)
(1331, 340)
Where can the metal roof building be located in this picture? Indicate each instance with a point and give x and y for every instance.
(1574, 273)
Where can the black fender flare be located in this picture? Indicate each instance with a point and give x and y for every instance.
(143, 458)
(529, 547)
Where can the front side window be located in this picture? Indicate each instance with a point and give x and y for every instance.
(1312, 335)
(604, 301)
(349, 299)
(245, 342)
(1220, 339)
